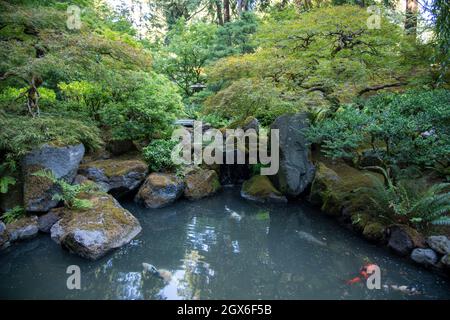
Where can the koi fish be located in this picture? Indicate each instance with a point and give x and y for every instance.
(354, 280)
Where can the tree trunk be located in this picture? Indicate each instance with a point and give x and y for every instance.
(411, 17)
(239, 4)
(226, 13)
(219, 12)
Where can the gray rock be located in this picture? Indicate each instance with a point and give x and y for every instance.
(23, 228)
(93, 232)
(160, 190)
(4, 237)
(404, 239)
(47, 220)
(116, 176)
(446, 261)
(251, 123)
(426, 257)
(440, 244)
(296, 170)
(62, 161)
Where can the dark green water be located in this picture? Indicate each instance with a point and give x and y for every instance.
(268, 254)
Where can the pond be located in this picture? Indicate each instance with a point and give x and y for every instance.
(222, 247)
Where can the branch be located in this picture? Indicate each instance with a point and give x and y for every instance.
(380, 87)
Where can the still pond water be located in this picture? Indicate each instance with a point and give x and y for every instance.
(222, 247)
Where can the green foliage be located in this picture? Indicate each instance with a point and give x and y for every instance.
(158, 155)
(84, 96)
(215, 120)
(7, 169)
(69, 193)
(13, 214)
(14, 99)
(319, 59)
(403, 129)
(20, 134)
(249, 97)
(143, 107)
(235, 37)
(408, 201)
(184, 58)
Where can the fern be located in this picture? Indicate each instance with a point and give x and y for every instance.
(13, 214)
(69, 193)
(5, 182)
(420, 206)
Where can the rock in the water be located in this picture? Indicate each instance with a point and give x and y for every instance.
(159, 190)
(446, 261)
(47, 220)
(91, 233)
(374, 231)
(24, 228)
(4, 237)
(426, 257)
(116, 176)
(201, 183)
(62, 161)
(440, 244)
(296, 171)
(404, 239)
(260, 189)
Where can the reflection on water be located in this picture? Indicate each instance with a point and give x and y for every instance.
(219, 248)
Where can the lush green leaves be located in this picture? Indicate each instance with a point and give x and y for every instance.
(158, 154)
(403, 129)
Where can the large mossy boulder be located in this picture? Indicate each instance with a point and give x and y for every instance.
(116, 176)
(325, 190)
(91, 233)
(403, 239)
(160, 190)
(23, 228)
(62, 161)
(260, 189)
(335, 188)
(200, 183)
(296, 170)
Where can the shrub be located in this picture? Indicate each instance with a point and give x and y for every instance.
(143, 107)
(84, 96)
(158, 154)
(403, 129)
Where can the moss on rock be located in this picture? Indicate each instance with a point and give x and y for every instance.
(201, 183)
(260, 188)
(93, 232)
(374, 231)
